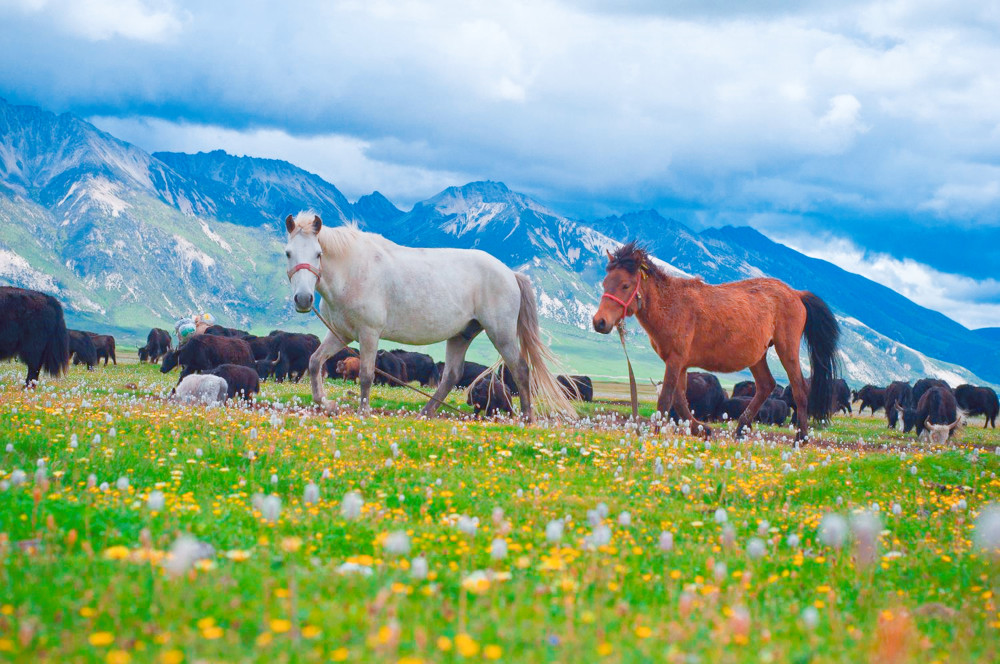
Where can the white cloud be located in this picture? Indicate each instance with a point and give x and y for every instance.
(974, 303)
(727, 106)
(97, 20)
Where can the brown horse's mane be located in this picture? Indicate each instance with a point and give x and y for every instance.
(633, 257)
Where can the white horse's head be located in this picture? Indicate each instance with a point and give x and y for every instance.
(305, 257)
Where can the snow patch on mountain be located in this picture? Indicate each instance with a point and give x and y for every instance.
(15, 269)
(190, 254)
(215, 237)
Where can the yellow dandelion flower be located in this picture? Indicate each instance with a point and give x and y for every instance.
(492, 651)
(280, 625)
(340, 654)
(118, 657)
(6, 645)
(466, 645)
(604, 649)
(101, 639)
(311, 632)
(264, 638)
(212, 633)
(643, 631)
(171, 657)
(291, 544)
(444, 643)
(238, 555)
(116, 553)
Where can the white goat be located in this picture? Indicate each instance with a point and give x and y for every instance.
(201, 388)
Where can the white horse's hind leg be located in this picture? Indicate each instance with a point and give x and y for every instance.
(330, 346)
(506, 344)
(366, 373)
(454, 363)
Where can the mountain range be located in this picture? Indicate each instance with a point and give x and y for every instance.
(127, 240)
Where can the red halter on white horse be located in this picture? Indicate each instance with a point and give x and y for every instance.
(306, 266)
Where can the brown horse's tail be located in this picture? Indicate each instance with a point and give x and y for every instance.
(822, 333)
(544, 387)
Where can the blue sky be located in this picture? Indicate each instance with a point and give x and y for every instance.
(866, 133)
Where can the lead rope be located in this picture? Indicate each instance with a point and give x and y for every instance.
(430, 397)
(631, 375)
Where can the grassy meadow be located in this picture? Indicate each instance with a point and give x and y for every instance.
(135, 529)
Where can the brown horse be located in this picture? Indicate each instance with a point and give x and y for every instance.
(722, 328)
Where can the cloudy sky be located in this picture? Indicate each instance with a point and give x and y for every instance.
(865, 133)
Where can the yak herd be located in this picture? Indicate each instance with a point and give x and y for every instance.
(224, 363)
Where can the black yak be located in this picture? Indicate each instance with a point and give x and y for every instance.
(870, 396)
(748, 388)
(33, 329)
(241, 381)
(841, 400)
(773, 411)
(899, 393)
(419, 366)
(978, 401)
(733, 407)
(490, 395)
(289, 356)
(470, 371)
(220, 331)
(392, 365)
(936, 412)
(81, 348)
(105, 345)
(203, 352)
(577, 387)
(925, 384)
(704, 396)
(840, 396)
(158, 344)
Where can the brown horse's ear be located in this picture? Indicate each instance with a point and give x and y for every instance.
(289, 223)
(610, 257)
(317, 223)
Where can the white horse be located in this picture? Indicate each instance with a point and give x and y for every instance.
(374, 289)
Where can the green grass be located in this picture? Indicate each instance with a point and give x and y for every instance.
(82, 580)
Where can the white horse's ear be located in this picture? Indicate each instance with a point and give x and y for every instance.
(317, 223)
(289, 223)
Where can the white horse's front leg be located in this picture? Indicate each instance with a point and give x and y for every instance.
(366, 374)
(330, 346)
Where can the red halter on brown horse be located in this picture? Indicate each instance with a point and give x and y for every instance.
(723, 328)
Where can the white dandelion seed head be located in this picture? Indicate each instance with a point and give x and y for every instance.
(832, 530)
(350, 505)
(397, 543)
(155, 501)
(986, 530)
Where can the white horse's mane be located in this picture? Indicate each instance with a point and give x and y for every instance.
(337, 240)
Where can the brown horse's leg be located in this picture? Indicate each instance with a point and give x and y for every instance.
(789, 356)
(765, 385)
(684, 410)
(667, 394)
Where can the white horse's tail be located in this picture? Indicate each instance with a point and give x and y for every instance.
(545, 389)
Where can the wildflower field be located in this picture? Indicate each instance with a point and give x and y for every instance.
(135, 529)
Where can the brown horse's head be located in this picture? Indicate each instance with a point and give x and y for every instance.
(627, 268)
